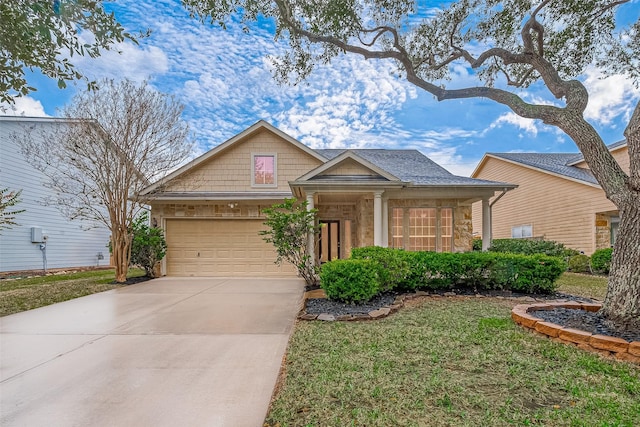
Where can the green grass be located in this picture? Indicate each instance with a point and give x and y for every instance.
(583, 285)
(22, 294)
(448, 363)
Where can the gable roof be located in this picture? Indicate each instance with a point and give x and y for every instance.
(261, 124)
(554, 163)
(342, 156)
(562, 165)
(412, 166)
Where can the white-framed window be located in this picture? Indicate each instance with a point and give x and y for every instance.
(521, 231)
(264, 173)
(422, 229)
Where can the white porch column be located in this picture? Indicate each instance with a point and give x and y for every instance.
(311, 238)
(377, 218)
(385, 223)
(486, 224)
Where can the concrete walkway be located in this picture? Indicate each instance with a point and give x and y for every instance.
(168, 352)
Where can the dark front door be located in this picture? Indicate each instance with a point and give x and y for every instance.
(329, 240)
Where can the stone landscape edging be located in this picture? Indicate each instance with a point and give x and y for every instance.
(609, 347)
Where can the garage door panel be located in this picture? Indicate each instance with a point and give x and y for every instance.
(220, 247)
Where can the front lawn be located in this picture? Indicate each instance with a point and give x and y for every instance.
(584, 285)
(18, 295)
(448, 362)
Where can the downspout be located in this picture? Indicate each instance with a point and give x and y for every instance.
(487, 245)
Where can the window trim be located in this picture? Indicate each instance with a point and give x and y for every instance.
(405, 238)
(522, 227)
(253, 170)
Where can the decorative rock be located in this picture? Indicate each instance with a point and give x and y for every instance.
(326, 317)
(604, 342)
(345, 317)
(527, 299)
(384, 311)
(449, 294)
(421, 293)
(634, 348)
(575, 335)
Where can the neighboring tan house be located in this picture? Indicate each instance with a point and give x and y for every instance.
(211, 209)
(557, 198)
(43, 234)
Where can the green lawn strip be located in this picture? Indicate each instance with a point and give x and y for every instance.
(18, 295)
(583, 285)
(448, 362)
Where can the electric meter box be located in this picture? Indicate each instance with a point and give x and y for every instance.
(36, 235)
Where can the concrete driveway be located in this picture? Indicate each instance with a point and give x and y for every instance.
(168, 352)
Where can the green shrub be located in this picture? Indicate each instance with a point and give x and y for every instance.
(351, 280)
(474, 270)
(579, 264)
(531, 247)
(148, 245)
(536, 273)
(476, 244)
(394, 266)
(601, 260)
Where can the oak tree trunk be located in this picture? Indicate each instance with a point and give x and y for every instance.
(623, 293)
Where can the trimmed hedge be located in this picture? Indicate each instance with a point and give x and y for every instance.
(601, 260)
(474, 270)
(351, 280)
(531, 247)
(395, 267)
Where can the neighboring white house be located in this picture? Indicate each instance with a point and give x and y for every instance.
(42, 231)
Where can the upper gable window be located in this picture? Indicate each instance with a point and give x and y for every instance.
(264, 170)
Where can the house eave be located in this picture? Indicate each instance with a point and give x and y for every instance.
(221, 196)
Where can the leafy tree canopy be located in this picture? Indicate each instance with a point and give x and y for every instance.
(46, 34)
(490, 49)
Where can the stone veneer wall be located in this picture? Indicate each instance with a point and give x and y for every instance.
(220, 210)
(603, 231)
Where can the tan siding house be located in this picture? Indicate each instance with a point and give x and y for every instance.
(557, 199)
(211, 209)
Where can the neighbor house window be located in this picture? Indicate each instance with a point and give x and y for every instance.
(422, 229)
(264, 170)
(522, 231)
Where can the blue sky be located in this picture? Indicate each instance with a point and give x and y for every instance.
(224, 80)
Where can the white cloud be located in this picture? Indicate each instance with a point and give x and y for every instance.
(609, 98)
(23, 106)
(126, 60)
(527, 125)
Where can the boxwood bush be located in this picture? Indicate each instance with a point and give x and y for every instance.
(394, 266)
(405, 271)
(601, 260)
(351, 280)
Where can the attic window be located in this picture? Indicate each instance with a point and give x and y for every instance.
(264, 170)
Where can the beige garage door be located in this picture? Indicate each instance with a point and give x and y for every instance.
(220, 247)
